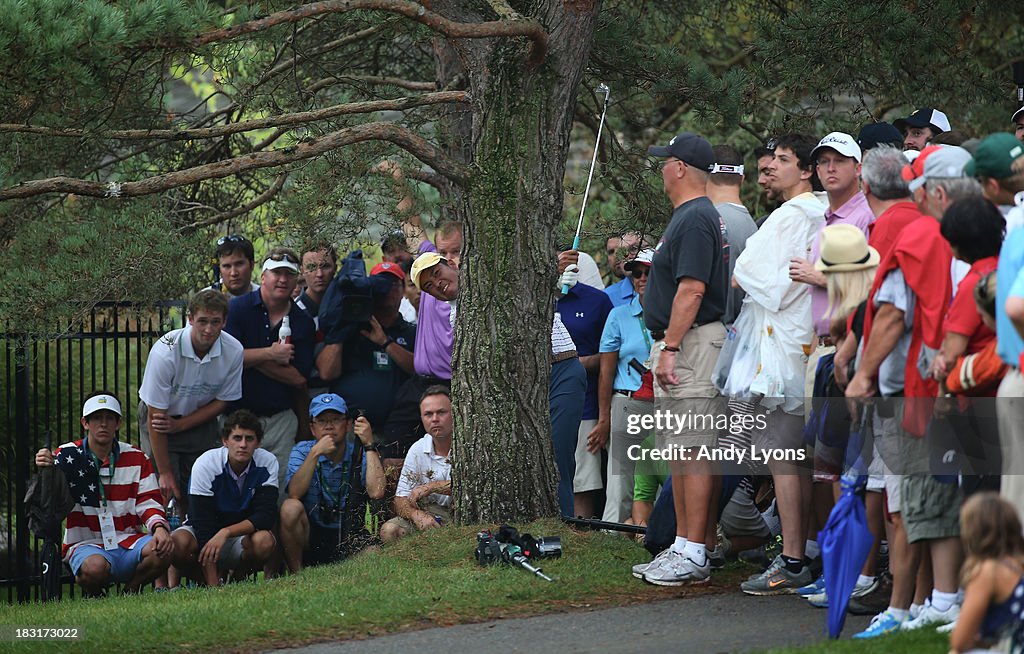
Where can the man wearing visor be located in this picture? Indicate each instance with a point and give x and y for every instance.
(275, 368)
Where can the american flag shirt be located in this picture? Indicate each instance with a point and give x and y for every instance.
(132, 495)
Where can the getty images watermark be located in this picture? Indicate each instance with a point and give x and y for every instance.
(671, 422)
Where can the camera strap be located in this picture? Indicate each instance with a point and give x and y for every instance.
(325, 489)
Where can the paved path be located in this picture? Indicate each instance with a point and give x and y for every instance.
(730, 622)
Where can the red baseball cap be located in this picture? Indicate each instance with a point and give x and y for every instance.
(390, 268)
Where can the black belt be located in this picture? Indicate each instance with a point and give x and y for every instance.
(628, 393)
(659, 335)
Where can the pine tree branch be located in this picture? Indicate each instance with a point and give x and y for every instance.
(526, 27)
(408, 84)
(259, 200)
(400, 136)
(298, 118)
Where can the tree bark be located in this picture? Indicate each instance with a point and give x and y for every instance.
(503, 459)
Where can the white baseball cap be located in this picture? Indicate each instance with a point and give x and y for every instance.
(100, 403)
(841, 142)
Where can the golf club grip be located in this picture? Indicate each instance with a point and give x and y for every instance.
(575, 246)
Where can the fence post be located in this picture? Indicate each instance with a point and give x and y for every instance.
(21, 464)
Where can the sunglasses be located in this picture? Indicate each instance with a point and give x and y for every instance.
(234, 238)
(641, 271)
(283, 256)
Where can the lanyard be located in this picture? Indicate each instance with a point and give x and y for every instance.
(99, 466)
(643, 330)
(325, 489)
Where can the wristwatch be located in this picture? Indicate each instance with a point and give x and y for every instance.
(372, 447)
(665, 347)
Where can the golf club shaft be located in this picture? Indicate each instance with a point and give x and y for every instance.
(590, 176)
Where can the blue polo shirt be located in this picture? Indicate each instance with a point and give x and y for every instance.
(249, 322)
(626, 333)
(621, 292)
(1009, 283)
(584, 311)
(334, 475)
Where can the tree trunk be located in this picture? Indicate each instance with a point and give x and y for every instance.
(503, 460)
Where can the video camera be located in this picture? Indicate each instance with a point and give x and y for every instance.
(510, 547)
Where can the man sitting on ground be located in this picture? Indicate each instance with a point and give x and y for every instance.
(319, 482)
(425, 487)
(232, 506)
(116, 493)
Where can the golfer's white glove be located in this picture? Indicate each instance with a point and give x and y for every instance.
(569, 277)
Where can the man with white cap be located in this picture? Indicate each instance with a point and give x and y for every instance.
(1018, 123)
(837, 160)
(116, 494)
(921, 126)
(276, 369)
(435, 276)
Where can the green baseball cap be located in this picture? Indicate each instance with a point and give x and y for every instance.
(994, 156)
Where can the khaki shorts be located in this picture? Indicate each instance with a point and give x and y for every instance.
(588, 466)
(230, 557)
(441, 513)
(930, 508)
(695, 400)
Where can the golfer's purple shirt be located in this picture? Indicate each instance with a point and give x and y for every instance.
(432, 355)
(855, 212)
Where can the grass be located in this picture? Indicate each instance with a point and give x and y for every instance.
(424, 581)
(923, 641)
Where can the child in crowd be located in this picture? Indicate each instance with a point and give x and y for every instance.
(993, 578)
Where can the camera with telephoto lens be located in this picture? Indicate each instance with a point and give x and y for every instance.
(546, 547)
(488, 549)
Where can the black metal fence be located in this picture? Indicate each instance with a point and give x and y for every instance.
(44, 383)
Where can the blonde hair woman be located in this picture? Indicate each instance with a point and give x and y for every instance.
(849, 265)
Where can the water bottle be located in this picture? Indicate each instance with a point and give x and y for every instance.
(284, 334)
(173, 514)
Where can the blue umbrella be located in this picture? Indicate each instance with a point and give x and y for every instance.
(846, 540)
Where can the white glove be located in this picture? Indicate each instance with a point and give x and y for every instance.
(569, 277)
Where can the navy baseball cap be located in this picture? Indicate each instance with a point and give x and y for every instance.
(876, 134)
(689, 148)
(327, 402)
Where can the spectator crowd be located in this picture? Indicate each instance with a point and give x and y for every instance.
(870, 325)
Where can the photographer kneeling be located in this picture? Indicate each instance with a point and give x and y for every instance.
(319, 480)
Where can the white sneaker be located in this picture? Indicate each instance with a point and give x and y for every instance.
(678, 569)
(640, 568)
(930, 616)
(947, 628)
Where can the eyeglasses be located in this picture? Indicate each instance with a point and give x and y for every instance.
(234, 238)
(641, 271)
(330, 420)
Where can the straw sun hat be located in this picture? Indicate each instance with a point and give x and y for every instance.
(844, 248)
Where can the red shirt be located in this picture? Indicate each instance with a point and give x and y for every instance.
(963, 317)
(924, 258)
(883, 232)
